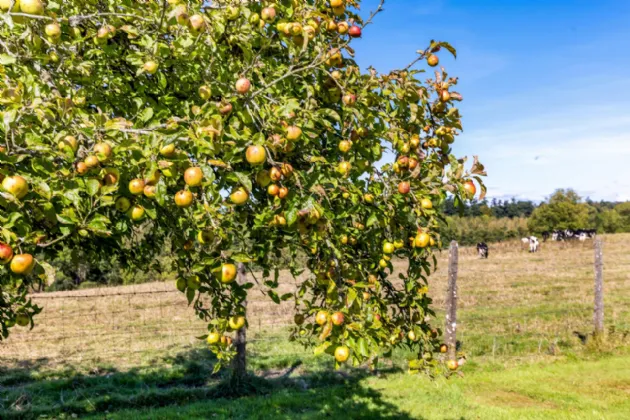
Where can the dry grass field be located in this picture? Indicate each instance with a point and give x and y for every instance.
(515, 309)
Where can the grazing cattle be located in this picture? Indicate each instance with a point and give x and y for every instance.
(525, 241)
(533, 244)
(546, 236)
(482, 250)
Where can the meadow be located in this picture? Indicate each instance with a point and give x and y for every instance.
(524, 325)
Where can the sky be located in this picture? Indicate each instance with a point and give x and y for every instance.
(546, 86)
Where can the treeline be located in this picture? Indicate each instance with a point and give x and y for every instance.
(496, 220)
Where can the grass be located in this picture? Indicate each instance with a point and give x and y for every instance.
(136, 356)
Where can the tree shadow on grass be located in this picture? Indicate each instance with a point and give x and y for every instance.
(186, 382)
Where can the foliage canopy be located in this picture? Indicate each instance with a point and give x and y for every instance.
(233, 132)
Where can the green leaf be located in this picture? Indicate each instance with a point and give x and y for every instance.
(6, 59)
(93, 186)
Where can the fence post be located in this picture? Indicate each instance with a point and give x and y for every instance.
(598, 314)
(451, 302)
(239, 364)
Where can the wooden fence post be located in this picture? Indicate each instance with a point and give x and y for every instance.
(451, 302)
(239, 364)
(598, 313)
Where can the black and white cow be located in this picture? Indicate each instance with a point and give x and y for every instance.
(533, 244)
(482, 250)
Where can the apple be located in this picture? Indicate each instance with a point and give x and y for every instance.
(110, 178)
(233, 12)
(205, 92)
(243, 85)
(6, 253)
(403, 161)
(414, 142)
(426, 204)
(193, 282)
(181, 284)
(236, 322)
(337, 3)
(196, 23)
(183, 198)
(336, 75)
(90, 162)
(239, 196)
(32, 7)
(22, 320)
(349, 99)
(412, 163)
(103, 151)
(228, 273)
(369, 198)
(331, 26)
(293, 132)
(412, 336)
(273, 190)
(321, 317)
(345, 146)
(168, 150)
(22, 264)
(342, 28)
(404, 187)
(256, 155)
(470, 189)
(298, 319)
(286, 169)
(339, 11)
(53, 30)
(398, 244)
(225, 109)
(150, 67)
(344, 168)
(337, 318)
(388, 248)
(213, 338)
(452, 364)
(193, 176)
(433, 60)
(354, 31)
(122, 204)
(275, 174)
(181, 16)
(262, 178)
(445, 96)
(268, 14)
(342, 353)
(5, 4)
(344, 239)
(136, 186)
(102, 33)
(283, 192)
(443, 348)
(68, 141)
(205, 236)
(280, 220)
(422, 240)
(16, 186)
(136, 213)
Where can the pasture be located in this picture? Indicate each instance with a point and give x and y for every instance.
(524, 320)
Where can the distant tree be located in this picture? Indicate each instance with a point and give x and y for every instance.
(563, 210)
(609, 221)
(623, 209)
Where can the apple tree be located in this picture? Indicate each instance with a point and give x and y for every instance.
(230, 132)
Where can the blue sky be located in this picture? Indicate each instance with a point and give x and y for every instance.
(546, 86)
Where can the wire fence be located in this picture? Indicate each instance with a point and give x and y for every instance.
(527, 308)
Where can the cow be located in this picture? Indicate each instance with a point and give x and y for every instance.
(482, 250)
(546, 236)
(533, 244)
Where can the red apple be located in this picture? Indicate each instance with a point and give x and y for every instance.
(354, 31)
(6, 253)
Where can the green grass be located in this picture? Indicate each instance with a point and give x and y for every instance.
(294, 384)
